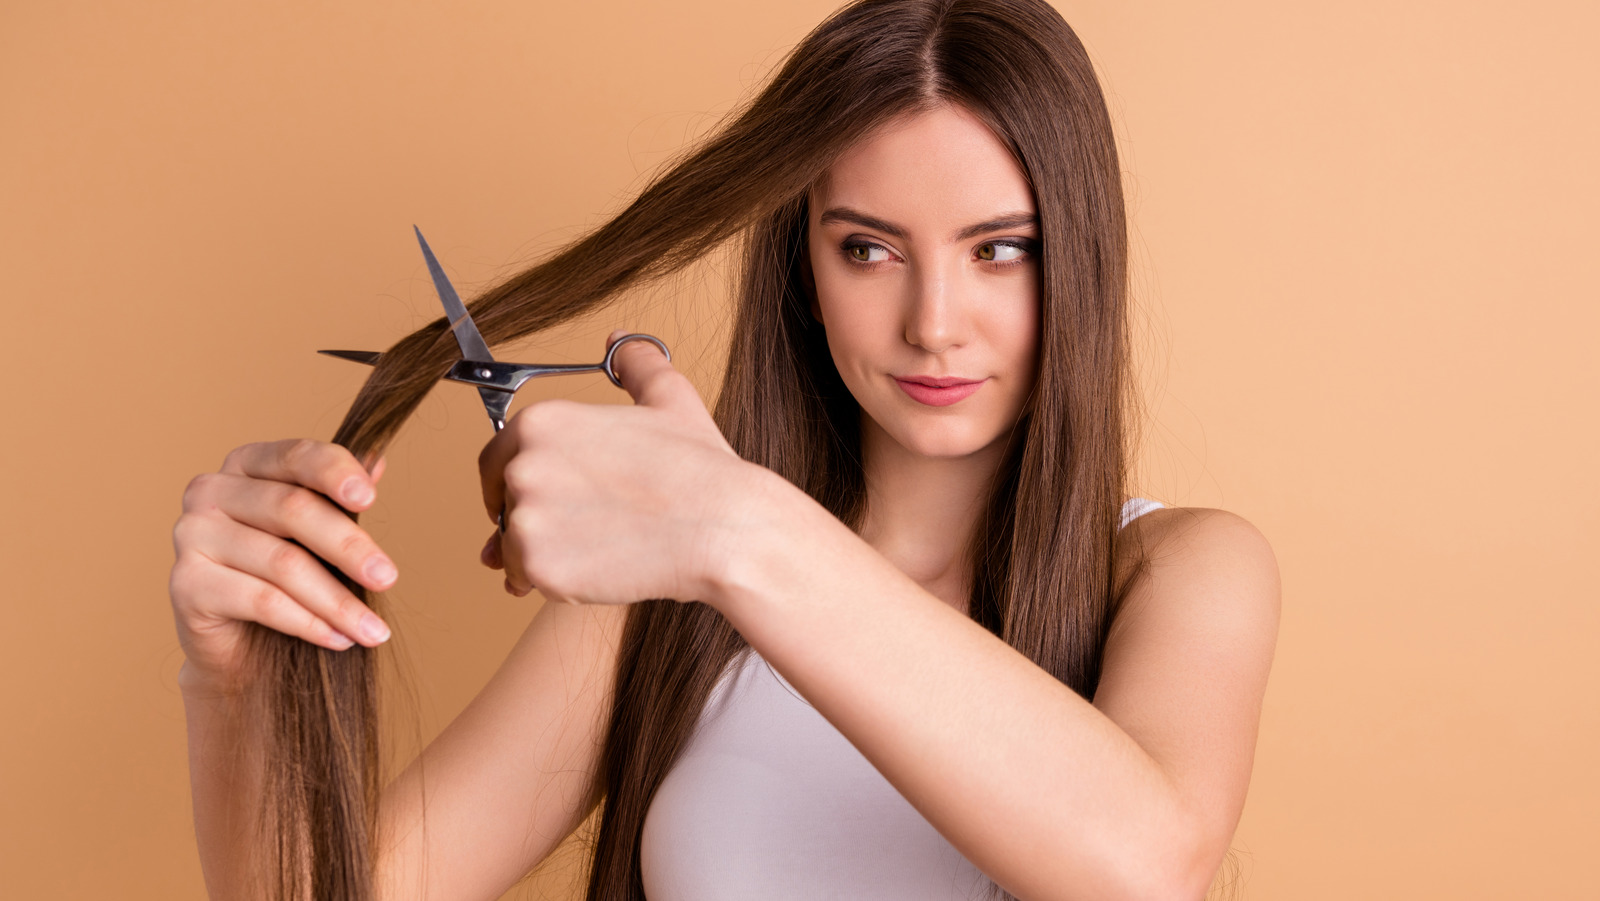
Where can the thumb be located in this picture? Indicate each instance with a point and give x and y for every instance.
(648, 376)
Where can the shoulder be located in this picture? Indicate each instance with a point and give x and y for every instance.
(1192, 572)
(1186, 661)
(1172, 546)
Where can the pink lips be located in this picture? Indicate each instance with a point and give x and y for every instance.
(938, 392)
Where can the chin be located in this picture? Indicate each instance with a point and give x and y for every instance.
(926, 432)
(943, 443)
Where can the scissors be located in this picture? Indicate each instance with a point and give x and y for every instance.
(497, 382)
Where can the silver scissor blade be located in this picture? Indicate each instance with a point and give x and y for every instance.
(369, 357)
(467, 335)
(468, 338)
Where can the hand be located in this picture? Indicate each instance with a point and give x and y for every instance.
(236, 562)
(610, 504)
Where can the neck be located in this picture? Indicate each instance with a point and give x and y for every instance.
(921, 511)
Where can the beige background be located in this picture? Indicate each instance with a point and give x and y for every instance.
(1367, 287)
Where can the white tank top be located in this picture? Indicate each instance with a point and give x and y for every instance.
(768, 800)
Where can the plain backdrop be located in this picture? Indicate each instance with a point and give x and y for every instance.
(1366, 286)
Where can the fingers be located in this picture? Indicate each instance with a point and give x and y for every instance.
(296, 579)
(319, 465)
(526, 469)
(492, 462)
(498, 500)
(510, 558)
(649, 378)
(295, 512)
(247, 548)
(227, 572)
(246, 597)
(517, 581)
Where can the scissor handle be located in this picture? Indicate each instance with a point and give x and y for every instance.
(606, 364)
(498, 381)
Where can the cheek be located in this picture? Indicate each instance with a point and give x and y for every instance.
(855, 313)
(861, 336)
(1012, 321)
(850, 323)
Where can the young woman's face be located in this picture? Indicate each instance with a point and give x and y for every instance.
(924, 251)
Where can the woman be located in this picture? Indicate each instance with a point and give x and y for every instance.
(907, 508)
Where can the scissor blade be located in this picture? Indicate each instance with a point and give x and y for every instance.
(467, 336)
(369, 357)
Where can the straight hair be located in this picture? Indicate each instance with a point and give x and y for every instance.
(1046, 542)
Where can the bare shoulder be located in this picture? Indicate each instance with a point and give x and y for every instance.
(1175, 544)
(1198, 571)
(1185, 666)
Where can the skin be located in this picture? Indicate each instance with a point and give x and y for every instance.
(1135, 795)
(928, 300)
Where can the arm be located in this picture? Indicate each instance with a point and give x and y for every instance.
(223, 781)
(510, 777)
(505, 782)
(1133, 796)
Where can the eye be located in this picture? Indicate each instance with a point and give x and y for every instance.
(1001, 252)
(866, 253)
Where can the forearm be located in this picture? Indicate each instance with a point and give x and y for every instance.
(1028, 780)
(224, 779)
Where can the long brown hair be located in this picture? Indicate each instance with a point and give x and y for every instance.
(1043, 574)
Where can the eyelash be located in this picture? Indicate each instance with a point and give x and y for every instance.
(1028, 248)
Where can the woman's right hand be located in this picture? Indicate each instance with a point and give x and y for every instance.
(235, 562)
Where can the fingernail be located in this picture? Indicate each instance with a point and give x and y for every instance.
(356, 491)
(373, 629)
(615, 335)
(340, 641)
(380, 571)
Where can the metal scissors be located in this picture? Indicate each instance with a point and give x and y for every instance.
(497, 382)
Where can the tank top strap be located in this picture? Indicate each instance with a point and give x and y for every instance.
(1135, 508)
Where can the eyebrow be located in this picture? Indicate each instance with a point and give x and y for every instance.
(998, 223)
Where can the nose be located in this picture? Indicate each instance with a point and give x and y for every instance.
(935, 318)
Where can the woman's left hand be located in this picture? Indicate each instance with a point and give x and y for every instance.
(610, 504)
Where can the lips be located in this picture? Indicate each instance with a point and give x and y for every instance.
(938, 392)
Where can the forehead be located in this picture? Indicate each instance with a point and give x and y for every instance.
(940, 169)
